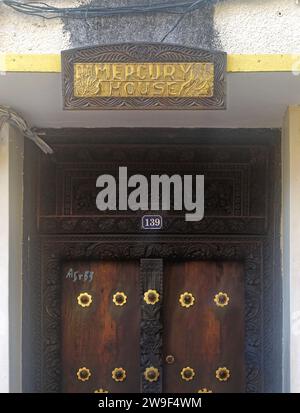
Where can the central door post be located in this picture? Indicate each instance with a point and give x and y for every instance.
(151, 325)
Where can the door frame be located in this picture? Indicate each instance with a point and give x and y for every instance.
(43, 254)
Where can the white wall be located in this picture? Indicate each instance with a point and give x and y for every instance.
(258, 26)
(11, 206)
(20, 33)
(244, 26)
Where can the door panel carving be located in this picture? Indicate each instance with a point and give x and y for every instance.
(101, 336)
(241, 225)
(203, 336)
(112, 329)
(151, 325)
(235, 187)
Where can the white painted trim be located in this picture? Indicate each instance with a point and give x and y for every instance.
(291, 250)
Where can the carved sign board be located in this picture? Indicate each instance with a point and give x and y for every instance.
(143, 76)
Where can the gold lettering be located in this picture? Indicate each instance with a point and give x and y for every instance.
(129, 71)
(104, 72)
(154, 71)
(117, 72)
(144, 88)
(172, 89)
(192, 79)
(140, 70)
(115, 87)
(169, 71)
(159, 88)
(186, 68)
(129, 88)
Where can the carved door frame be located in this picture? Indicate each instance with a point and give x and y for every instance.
(43, 254)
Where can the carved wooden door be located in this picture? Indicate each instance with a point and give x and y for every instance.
(100, 327)
(204, 327)
(141, 328)
(240, 225)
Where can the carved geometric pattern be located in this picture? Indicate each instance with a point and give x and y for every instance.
(132, 224)
(250, 234)
(151, 273)
(55, 251)
(235, 187)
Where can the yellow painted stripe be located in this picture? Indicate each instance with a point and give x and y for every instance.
(236, 63)
(263, 63)
(30, 63)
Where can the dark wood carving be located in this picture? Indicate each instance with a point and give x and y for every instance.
(235, 184)
(204, 336)
(143, 53)
(241, 224)
(186, 248)
(151, 273)
(103, 336)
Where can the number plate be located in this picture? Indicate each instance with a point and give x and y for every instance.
(152, 222)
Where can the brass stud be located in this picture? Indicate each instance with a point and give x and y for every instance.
(170, 359)
(151, 374)
(119, 374)
(151, 297)
(204, 390)
(84, 299)
(187, 373)
(222, 374)
(221, 299)
(119, 298)
(100, 391)
(83, 374)
(186, 299)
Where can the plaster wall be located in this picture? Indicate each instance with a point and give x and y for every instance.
(235, 26)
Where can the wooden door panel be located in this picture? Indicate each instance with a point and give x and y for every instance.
(204, 336)
(102, 336)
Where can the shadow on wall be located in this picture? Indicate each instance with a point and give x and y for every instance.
(196, 29)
